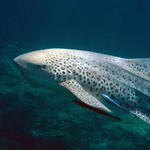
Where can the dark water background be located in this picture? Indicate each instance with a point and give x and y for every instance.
(33, 118)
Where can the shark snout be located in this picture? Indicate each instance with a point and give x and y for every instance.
(28, 63)
(28, 58)
(24, 58)
(18, 62)
(21, 61)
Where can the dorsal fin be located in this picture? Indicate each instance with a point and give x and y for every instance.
(139, 66)
(133, 72)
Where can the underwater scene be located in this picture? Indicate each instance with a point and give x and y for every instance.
(36, 118)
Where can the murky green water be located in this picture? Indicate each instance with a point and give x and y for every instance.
(33, 118)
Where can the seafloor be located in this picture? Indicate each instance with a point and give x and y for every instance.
(33, 118)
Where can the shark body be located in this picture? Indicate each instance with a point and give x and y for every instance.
(105, 82)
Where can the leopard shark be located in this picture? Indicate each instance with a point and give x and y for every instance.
(103, 82)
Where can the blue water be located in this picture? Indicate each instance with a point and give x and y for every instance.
(34, 118)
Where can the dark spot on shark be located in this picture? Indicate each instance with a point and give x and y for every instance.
(111, 88)
(134, 103)
(44, 66)
(91, 89)
(97, 95)
(68, 71)
(116, 90)
(103, 88)
(123, 98)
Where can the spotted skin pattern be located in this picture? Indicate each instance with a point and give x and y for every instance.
(88, 75)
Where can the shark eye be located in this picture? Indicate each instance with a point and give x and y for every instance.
(38, 66)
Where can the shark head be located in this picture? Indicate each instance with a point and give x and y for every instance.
(43, 67)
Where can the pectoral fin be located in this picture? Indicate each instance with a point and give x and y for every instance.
(83, 95)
